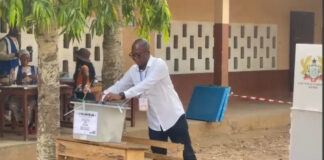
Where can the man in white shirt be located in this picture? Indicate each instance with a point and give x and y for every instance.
(150, 80)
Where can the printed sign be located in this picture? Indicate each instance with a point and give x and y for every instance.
(308, 77)
(85, 122)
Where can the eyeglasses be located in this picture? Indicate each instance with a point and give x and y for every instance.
(135, 56)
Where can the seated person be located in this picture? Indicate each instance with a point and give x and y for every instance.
(84, 75)
(26, 75)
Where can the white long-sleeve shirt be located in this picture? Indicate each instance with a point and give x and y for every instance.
(155, 84)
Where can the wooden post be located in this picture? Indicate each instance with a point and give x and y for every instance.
(221, 13)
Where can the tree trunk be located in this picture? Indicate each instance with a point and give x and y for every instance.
(48, 94)
(113, 63)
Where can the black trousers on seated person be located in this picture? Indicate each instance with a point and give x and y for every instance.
(178, 134)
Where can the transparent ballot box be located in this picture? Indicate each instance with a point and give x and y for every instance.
(99, 122)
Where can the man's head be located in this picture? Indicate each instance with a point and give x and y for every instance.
(24, 57)
(13, 32)
(140, 52)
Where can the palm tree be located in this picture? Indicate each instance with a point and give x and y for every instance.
(53, 17)
(146, 15)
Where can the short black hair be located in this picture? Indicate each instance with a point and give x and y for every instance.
(143, 43)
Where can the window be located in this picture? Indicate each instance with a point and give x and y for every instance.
(175, 41)
(268, 32)
(199, 30)
(242, 52)
(242, 32)
(248, 42)
(176, 64)
(192, 64)
(261, 62)
(206, 41)
(199, 53)
(255, 31)
(184, 53)
(184, 30)
(235, 42)
(273, 42)
(235, 63)
(261, 42)
(255, 52)
(268, 52)
(168, 56)
(97, 53)
(74, 52)
(66, 41)
(273, 62)
(248, 64)
(65, 66)
(158, 41)
(207, 65)
(191, 41)
(88, 40)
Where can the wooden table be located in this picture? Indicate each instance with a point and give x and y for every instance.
(24, 91)
(66, 92)
(67, 147)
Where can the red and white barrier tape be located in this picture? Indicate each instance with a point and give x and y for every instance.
(260, 99)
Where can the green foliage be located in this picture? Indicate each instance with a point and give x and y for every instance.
(152, 15)
(71, 16)
(42, 14)
(106, 13)
(12, 12)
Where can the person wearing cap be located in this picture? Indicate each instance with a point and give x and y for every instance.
(26, 75)
(84, 75)
(9, 47)
(149, 80)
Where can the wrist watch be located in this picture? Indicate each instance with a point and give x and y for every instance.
(122, 95)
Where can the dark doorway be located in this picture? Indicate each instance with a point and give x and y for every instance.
(301, 31)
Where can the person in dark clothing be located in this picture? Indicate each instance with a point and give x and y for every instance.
(84, 75)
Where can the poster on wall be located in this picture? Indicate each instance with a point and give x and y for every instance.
(308, 77)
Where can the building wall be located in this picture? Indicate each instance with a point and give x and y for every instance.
(256, 12)
(192, 10)
(273, 83)
(276, 12)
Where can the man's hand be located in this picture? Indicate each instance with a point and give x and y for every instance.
(111, 97)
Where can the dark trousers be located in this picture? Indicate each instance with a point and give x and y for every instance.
(178, 134)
